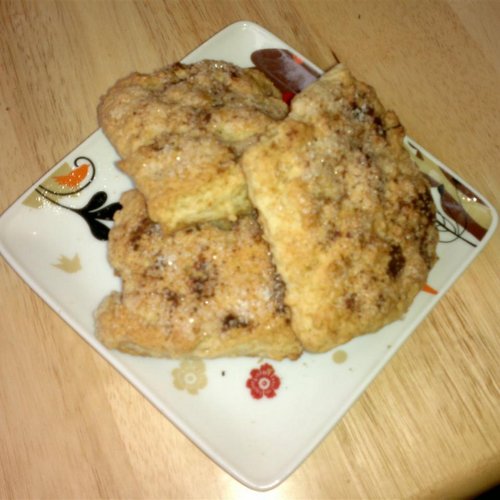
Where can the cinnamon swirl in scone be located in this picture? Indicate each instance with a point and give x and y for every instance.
(180, 131)
(348, 216)
(205, 291)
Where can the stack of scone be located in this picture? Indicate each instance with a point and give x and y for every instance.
(256, 230)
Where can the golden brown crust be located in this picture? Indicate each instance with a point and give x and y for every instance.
(206, 291)
(183, 98)
(188, 179)
(180, 131)
(348, 216)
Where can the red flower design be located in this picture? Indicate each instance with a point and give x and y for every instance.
(263, 381)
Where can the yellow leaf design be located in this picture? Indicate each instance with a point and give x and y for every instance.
(69, 265)
(34, 200)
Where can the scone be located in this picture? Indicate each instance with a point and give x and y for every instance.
(188, 179)
(348, 216)
(180, 132)
(206, 291)
(210, 95)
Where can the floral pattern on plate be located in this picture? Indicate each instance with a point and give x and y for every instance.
(263, 382)
(68, 181)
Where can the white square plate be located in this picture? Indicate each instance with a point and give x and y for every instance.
(50, 236)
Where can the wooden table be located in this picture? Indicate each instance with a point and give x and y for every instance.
(429, 426)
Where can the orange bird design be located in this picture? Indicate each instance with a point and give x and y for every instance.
(74, 178)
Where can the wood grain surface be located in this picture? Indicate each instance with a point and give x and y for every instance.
(428, 427)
